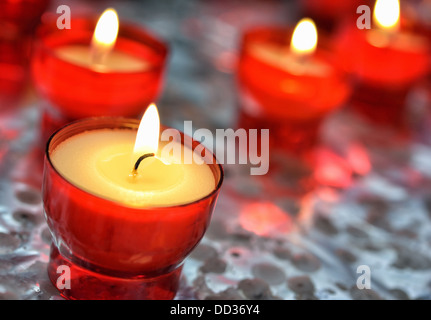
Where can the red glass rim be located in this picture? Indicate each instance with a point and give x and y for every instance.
(313, 100)
(86, 25)
(95, 123)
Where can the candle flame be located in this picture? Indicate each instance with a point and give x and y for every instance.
(387, 14)
(105, 35)
(304, 38)
(147, 138)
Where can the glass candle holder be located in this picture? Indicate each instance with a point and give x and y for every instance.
(111, 250)
(291, 104)
(75, 91)
(385, 68)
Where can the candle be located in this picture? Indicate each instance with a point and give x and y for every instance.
(123, 217)
(106, 170)
(386, 63)
(417, 16)
(83, 73)
(288, 89)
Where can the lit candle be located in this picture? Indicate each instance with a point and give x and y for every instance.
(385, 61)
(99, 67)
(287, 88)
(124, 213)
(101, 55)
(103, 161)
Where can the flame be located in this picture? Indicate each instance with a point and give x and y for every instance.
(387, 14)
(147, 138)
(304, 38)
(105, 35)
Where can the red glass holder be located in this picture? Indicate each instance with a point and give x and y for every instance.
(13, 72)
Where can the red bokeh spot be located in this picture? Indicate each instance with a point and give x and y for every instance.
(358, 159)
(264, 218)
(332, 170)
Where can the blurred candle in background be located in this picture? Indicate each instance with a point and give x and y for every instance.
(328, 14)
(124, 234)
(80, 75)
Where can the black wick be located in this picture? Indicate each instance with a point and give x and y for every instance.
(138, 162)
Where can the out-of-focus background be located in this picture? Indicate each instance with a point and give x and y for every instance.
(299, 232)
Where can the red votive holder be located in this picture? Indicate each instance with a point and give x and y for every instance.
(20, 17)
(115, 251)
(73, 91)
(328, 14)
(385, 69)
(291, 105)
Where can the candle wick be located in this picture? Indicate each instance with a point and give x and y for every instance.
(138, 162)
